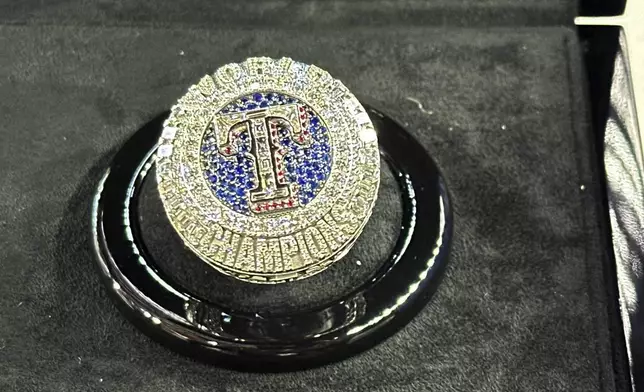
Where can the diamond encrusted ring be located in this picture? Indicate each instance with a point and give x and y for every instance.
(268, 169)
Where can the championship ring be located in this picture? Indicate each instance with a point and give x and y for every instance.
(268, 170)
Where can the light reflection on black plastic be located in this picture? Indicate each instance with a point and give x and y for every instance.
(251, 341)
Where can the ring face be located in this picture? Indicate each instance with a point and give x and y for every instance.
(268, 170)
(267, 160)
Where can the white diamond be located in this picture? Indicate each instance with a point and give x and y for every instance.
(215, 215)
(169, 132)
(188, 200)
(165, 150)
(184, 170)
(273, 224)
(299, 69)
(368, 135)
(363, 118)
(239, 225)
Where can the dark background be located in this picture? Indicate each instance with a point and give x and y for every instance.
(528, 302)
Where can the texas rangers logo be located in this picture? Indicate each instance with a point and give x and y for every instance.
(265, 153)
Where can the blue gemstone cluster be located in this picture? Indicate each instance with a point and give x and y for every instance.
(258, 101)
(309, 166)
(306, 164)
(230, 177)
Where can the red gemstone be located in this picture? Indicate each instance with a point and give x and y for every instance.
(301, 109)
(290, 203)
(258, 208)
(302, 116)
(227, 150)
(305, 132)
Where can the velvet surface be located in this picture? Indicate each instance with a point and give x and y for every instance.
(295, 15)
(523, 305)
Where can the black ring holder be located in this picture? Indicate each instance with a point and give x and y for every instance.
(296, 339)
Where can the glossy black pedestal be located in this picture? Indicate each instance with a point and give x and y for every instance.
(254, 341)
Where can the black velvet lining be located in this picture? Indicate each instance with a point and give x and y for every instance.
(368, 254)
(295, 15)
(523, 303)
